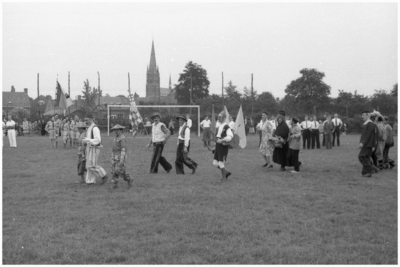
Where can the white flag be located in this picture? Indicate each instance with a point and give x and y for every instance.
(239, 128)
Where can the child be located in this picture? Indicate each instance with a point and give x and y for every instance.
(118, 159)
(294, 145)
(81, 152)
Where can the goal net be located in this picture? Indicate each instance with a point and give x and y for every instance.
(137, 118)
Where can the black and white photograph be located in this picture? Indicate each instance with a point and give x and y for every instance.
(199, 133)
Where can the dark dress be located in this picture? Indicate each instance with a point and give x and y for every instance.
(280, 153)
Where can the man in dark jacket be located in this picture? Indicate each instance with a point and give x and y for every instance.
(368, 143)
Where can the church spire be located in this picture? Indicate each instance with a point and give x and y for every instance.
(153, 65)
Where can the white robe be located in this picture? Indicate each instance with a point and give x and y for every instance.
(11, 133)
(92, 155)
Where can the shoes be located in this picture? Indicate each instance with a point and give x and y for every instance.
(270, 166)
(392, 166)
(104, 179)
(193, 170)
(294, 171)
(367, 174)
(227, 175)
(168, 170)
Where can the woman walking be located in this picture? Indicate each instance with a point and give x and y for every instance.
(266, 148)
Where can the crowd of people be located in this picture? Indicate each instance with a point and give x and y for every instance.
(280, 142)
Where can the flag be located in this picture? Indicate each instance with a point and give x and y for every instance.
(63, 99)
(227, 115)
(239, 128)
(135, 115)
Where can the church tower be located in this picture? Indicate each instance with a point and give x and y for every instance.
(153, 78)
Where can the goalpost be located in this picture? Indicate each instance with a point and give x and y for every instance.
(123, 107)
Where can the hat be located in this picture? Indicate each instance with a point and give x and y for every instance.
(89, 115)
(81, 125)
(117, 127)
(156, 114)
(222, 113)
(295, 120)
(181, 117)
(282, 112)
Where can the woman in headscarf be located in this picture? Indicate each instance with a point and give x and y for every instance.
(266, 148)
(282, 134)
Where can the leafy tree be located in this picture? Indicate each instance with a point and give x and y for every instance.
(197, 76)
(309, 91)
(394, 90)
(232, 93)
(36, 108)
(90, 96)
(384, 102)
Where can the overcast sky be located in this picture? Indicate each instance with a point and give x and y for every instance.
(354, 44)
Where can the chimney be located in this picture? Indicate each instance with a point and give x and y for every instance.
(12, 88)
(26, 90)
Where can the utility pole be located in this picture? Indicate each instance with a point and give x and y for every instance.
(98, 82)
(223, 99)
(69, 91)
(38, 94)
(252, 95)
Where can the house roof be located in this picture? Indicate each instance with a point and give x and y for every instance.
(114, 100)
(17, 99)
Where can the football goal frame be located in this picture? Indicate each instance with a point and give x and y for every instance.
(152, 106)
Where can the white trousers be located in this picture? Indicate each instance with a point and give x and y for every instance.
(93, 170)
(12, 138)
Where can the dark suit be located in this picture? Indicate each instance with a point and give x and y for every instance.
(337, 132)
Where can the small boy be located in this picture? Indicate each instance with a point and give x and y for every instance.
(118, 159)
(81, 152)
(294, 145)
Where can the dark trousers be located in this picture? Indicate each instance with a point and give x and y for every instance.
(158, 158)
(315, 138)
(171, 130)
(183, 158)
(323, 139)
(293, 158)
(306, 138)
(374, 157)
(336, 134)
(386, 159)
(365, 158)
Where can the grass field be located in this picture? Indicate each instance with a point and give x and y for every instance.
(327, 214)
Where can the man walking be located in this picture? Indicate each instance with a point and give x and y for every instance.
(337, 123)
(368, 143)
(118, 159)
(183, 148)
(159, 136)
(93, 145)
(50, 129)
(223, 134)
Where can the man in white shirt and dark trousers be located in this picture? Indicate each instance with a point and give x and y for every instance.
(159, 136)
(306, 128)
(223, 134)
(206, 126)
(315, 133)
(337, 123)
(93, 145)
(183, 148)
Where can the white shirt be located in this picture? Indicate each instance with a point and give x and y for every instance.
(10, 124)
(231, 124)
(289, 123)
(205, 123)
(187, 135)
(229, 134)
(157, 134)
(96, 135)
(305, 124)
(314, 125)
(338, 122)
(189, 123)
(273, 123)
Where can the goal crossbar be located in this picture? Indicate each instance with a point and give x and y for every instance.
(152, 106)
